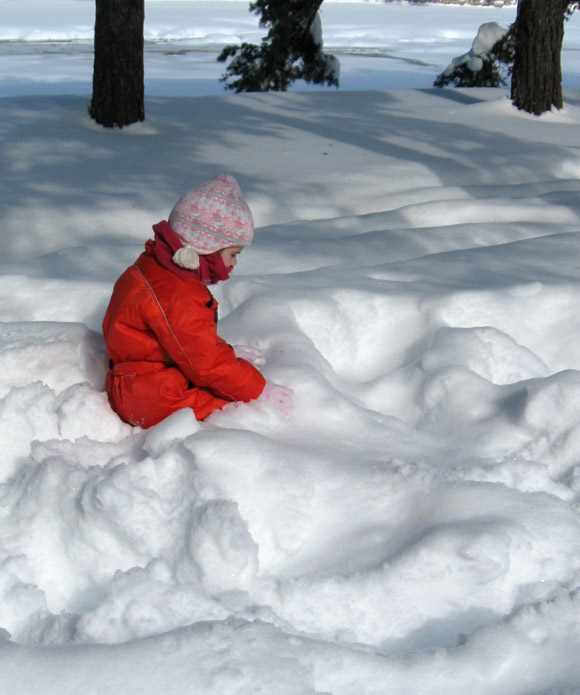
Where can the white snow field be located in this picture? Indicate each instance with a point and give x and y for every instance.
(413, 527)
(46, 45)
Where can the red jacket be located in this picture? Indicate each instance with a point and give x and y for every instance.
(165, 354)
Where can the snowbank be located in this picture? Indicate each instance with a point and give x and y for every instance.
(414, 526)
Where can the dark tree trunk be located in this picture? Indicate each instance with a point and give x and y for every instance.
(537, 75)
(118, 82)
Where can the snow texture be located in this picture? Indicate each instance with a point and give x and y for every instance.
(488, 35)
(414, 526)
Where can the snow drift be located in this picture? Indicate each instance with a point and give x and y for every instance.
(414, 525)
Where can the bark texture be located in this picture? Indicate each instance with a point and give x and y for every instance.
(537, 74)
(118, 78)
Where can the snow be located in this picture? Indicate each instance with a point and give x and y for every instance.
(379, 46)
(488, 35)
(413, 527)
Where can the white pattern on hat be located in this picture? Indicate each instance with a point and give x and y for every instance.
(213, 216)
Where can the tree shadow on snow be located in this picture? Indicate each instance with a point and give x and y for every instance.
(104, 187)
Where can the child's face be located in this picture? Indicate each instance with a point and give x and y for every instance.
(230, 255)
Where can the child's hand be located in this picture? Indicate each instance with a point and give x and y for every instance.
(279, 396)
(251, 354)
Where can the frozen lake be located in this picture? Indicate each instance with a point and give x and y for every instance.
(380, 46)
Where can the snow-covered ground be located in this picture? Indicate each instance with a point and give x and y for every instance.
(380, 46)
(413, 527)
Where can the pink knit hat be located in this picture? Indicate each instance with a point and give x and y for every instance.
(209, 218)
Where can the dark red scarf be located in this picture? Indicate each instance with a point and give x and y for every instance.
(211, 269)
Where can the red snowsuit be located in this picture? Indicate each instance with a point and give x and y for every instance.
(165, 354)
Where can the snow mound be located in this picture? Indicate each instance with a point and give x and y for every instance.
(415, 521)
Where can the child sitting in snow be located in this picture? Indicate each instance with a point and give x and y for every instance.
(160, 326)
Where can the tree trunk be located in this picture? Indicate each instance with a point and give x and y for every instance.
(118, 81)
(537, 75)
